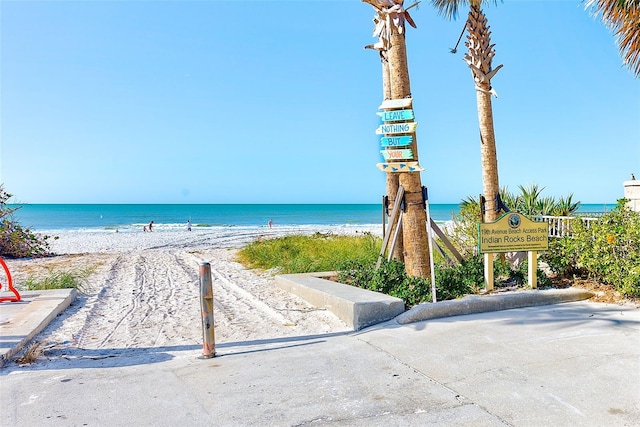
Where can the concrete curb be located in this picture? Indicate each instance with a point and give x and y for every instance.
(479, 304)
(357, 307)
(21, 321)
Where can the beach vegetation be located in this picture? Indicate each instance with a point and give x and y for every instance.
(310, 253)
(31, 353)
(607, 251)
(73, 278)
(354, 258)
(452, 280)
(15, 240)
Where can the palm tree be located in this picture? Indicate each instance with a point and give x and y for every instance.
(479, 58)
(566, 206)
(623, 17)
(390, 28)
(530, 202)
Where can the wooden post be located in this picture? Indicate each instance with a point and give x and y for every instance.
(393, 222)
(532, 271)
(488, 271)
(395, 240)
(206, 304)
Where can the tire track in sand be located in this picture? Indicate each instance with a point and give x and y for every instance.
(143, 304)
(145, 298)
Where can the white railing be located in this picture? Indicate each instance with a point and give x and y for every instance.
(560, 226)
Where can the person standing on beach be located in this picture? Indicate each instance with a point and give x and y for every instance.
(188, 225)
(151, 226)
(270, 224)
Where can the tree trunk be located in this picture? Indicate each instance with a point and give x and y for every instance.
(414, 226)
(392, 178)
(479, 58)
(488, 156)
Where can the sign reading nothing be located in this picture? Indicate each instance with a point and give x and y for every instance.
(513, 232)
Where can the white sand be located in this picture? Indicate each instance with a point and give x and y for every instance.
(144, 292)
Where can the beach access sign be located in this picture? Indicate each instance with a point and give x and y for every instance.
(513, 232)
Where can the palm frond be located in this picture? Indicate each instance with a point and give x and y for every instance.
(623, 18)
(449, 8)
(566, 206)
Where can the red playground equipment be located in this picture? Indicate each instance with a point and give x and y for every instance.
(16, 298)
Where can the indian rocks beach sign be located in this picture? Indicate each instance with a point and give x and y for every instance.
(513, 232)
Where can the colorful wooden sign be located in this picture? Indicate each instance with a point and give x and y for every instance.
(397, 154)
(396, 141)
(395, 104)
(513, 232)
(395, 128)
(396, 115)
(400, 167)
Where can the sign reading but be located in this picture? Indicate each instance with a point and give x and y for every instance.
(396, 141)
(513, 232)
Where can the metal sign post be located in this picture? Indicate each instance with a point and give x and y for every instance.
(425, 195)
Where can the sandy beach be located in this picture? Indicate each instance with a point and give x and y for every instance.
(144, 292)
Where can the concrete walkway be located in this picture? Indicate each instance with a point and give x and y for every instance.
(568, 364)
(22, 320)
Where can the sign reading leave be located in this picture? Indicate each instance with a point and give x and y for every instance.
(396, 115)
(513, 232)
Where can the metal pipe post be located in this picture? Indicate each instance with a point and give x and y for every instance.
(206, 304)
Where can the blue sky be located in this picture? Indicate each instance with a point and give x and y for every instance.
(276, 101)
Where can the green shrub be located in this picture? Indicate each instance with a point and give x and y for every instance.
(452, 281)
(562, 257)
(461, 279)
(390, 278)
(609, 249)
(16, 241)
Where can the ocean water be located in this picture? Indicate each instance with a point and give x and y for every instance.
(133, 217)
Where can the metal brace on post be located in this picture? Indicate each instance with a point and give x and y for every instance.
(500, 206)
(385, 214)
